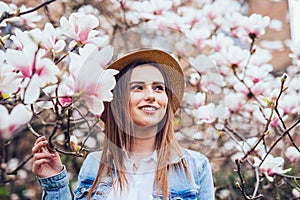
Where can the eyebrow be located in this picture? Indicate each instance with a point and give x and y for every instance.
(143, 82)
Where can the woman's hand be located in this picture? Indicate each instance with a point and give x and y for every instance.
(46, 163)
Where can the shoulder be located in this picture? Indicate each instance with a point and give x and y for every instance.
(193, 155)
(199, 168)
(90, 164)
(94, 157)
(195, 159)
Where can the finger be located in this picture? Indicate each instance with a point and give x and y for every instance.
(40, 156)
(38, 147)
(42, 138)
(39, 163)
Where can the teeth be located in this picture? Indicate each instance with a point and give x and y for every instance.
(148, 108)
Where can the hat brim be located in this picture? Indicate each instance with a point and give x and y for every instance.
(170, 65)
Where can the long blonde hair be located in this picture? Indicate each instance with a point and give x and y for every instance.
(119, 125)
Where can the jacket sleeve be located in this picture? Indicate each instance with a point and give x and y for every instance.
(206, 190)
(56, 187)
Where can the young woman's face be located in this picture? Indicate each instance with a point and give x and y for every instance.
(148, 99)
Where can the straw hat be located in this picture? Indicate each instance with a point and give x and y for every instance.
(168, 63)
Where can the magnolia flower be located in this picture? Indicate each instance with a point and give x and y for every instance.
(208, 113)
(155, 7)
(11, 121)
(26, 38)
(202, 63)
(29, 19)
(9, 81)
(292, 154)
(236, 57)
(270, 166)
(90, 52)
(261, 57)
(234, 101)
(80, 27)
(245, 146)
(252, 27)
(74, 143)
(288, 102)
(220, 42)
(199, 35)
(36, 70)
(195, 100)
(49, 39)
(91, 81)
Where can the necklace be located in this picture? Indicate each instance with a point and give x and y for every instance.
(135, 167)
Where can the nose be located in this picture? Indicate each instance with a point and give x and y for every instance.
(149, 94)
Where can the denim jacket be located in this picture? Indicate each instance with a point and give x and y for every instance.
(199, 186)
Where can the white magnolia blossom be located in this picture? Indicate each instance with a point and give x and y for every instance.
(271, 166)
(11, 121)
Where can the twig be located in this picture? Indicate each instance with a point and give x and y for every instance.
(241, 186)
(20, 165)
(33, 131)
(70, 153)
(6, 15)
(283, 134)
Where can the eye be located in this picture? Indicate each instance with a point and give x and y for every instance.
(159, 87)
(136, 87)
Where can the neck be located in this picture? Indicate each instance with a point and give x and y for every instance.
(144, 140)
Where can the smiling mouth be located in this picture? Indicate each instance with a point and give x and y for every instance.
(149, 108)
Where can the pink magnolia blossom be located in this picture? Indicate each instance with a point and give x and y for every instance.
(49, 41)
(253, 27)
(236, 57)
(209, 113)
(195, 100)
(26, 38)
(80, 27)
(233, 58)
(91, 81)
(232, 23)
(220, 42)
(9, 122)
(36, 70)
(288, 102)
(202, 63)
(234, 101)
(199, 35)
(190, 15)
(155, 7)
(260, 57)
(9, 81)
(210, 80)
(270, 166)
(292, 154)
(258, 73)
(245, 146)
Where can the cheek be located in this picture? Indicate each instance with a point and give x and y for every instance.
(163, 99)
(134, 98)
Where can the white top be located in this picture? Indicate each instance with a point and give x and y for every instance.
(140, 181)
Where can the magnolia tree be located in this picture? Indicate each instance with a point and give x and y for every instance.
(53, 82)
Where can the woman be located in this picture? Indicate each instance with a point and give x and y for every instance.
(141, 158)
